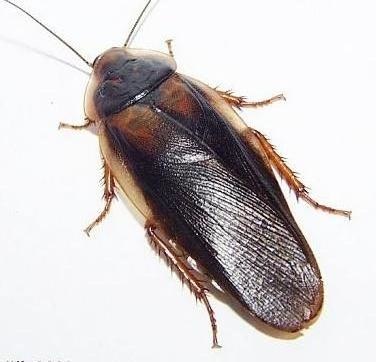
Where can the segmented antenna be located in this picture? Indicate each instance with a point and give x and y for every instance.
(136, 23)
(51, 32)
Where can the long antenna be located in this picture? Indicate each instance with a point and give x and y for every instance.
(51, 32)
(136, 23)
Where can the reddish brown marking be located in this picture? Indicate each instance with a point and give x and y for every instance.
(176, 99)
(141, 125)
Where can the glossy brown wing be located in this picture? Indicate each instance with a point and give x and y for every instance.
(219, 201)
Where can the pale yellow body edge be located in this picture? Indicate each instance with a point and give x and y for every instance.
(125, 181)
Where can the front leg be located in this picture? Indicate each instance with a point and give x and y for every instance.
(241, 102)
(88, 123)
(169, 47)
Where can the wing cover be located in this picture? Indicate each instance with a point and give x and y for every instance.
(221, 201)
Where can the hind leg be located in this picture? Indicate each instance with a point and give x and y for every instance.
(179, 262)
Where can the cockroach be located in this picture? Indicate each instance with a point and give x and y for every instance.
(204, 183)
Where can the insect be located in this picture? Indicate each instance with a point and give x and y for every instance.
(204, 183)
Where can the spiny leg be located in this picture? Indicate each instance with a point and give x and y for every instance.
(241, 102)
(87, 123)
(108, 196)
(169, 47)
(290, 177)
(108, 180)
(187, 274)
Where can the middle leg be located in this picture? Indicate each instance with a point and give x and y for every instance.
(108, 196)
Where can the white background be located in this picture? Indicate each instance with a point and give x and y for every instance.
(64, 296)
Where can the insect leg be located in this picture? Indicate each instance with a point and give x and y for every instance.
(187, 274)
(278, 163)
(169, 46)
(87, 123)
(241, 102)
(108, 196)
